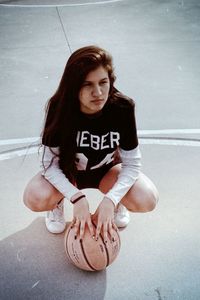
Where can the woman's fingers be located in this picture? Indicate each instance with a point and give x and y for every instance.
(73, 222)
(82, 229)
(115, 226)
(91, 228)
(76, 228)
(104, 227)
(111, 230)
(79, 227)
(105, 232)
(98, 230)
(81, 215)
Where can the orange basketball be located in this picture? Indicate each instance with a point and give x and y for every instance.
(89, 254)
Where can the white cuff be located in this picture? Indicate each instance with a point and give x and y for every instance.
(52, 172)
(131, 164)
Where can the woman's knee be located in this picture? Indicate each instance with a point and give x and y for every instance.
(149, 201)
(146, 194)
(142, 200)
(146, 203)
(33, 199)
(39, 195)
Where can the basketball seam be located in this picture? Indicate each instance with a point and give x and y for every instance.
(66, 240)
(107, 254)
(83, 250)
(86, 259)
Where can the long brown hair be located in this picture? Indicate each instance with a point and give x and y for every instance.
(62, 109)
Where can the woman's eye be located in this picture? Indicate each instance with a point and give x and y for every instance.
(104, 82)
(86, 84)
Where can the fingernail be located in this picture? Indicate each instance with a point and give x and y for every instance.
(93, 237)
(75, 237)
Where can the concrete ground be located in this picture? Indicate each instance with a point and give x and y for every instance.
(156, 50)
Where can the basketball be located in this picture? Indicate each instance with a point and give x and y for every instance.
(89, 254)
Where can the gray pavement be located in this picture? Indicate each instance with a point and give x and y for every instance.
(156, 51)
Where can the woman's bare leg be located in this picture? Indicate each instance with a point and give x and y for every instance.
(142, 196)
(40, 195)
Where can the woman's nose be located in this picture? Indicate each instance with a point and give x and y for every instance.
(97, 91)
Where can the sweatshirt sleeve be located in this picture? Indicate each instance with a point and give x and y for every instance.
(52, 172)
(130, 170)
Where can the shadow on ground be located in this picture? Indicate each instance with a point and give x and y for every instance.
(34, 266)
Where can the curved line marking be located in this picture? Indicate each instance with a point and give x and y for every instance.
(86, 258)
(19, 141)
(170, 142)
(18, 153)
(32, 148)
(166, 142)
(60, 5)
(140, 132)
(170, 131)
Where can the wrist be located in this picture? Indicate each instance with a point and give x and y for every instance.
(112, 197)
(109, 200)
(76, 198)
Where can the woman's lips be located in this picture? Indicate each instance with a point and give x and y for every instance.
(98, 101)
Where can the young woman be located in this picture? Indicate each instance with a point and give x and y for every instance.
(90, 141)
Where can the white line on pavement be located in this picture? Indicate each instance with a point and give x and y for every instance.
(169, 142)
(153, 141)
(60, 5)
(19, 141)
(140, 132)
(170, 131)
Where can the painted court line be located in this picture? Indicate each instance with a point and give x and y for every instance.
(18, 153)
(60, 5)
(169, 131)
(32, 149)
(19, 141)
(166, 142)
(140, 132)
(170, 142)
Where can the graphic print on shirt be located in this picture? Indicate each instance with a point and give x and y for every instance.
(95, 151)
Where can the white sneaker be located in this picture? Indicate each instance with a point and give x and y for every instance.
(122, 216)
(55, 221)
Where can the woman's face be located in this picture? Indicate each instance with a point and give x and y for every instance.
(94, 91)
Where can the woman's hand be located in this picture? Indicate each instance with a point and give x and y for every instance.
(82, 217)
(105, 219)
